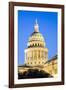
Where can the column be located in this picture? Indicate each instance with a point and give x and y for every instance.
(25, 56)
(46, 56)
(43, 55)
(40, 54)
(32, 55)
(28, 55)
(37, 55)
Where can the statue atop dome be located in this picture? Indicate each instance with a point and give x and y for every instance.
(36, 26)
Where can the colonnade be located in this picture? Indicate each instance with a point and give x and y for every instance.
(36, 55)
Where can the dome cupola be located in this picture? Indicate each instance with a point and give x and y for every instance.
(36, 39)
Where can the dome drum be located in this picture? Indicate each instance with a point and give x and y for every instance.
(36, 44)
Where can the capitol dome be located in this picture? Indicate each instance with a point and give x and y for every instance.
(36, 38)
(36, 54)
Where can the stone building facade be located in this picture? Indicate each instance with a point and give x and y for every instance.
(51, 66)
(36, 54)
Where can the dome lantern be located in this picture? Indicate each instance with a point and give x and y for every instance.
(36, 26)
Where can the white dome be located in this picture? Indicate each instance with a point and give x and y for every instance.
(36, 39)
(36, 36)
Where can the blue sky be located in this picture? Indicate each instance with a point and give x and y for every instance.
(47, 26)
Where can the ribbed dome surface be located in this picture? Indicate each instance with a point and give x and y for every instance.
(36, 36)
(36, 40)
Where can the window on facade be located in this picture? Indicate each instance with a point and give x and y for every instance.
(38, 54)
(52, 63)
(35, 56)
(28, 58)
(40, 45)
(42, 62)
(35, 44)
(42, 55)
(35, 62)
(50, 71)
(31, 58)
(39, 62)
(55, 70)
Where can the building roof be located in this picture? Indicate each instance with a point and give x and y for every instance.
(52, 59)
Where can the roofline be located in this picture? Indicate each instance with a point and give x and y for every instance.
(52, 59)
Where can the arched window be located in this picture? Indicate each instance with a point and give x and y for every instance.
(28, 58)
(42, 62)
(35, 54)
(35, 44)
(39, 54)
(38, 44)
(35, 62)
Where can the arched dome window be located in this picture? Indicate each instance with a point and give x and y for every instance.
(38, 44)
(35, 44)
